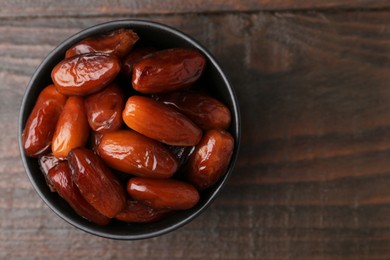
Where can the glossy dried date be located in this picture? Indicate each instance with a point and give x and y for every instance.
(104, 109)
(85, 74)
(96, 183)
(210, 159)
(41, 123)
(136, 212)
(60, 177)
(160, 122)
(118, 42)
(132, 153)
(163, 194)
(168, 70)
(72, 128)
(203, 110)
(133, 58)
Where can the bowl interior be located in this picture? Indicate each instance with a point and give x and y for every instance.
(151, 34)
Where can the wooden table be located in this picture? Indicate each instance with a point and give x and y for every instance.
(313, 177)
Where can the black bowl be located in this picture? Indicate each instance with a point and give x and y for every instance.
(152, 34)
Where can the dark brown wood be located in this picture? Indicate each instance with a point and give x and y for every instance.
(313, 176)
(74, 8)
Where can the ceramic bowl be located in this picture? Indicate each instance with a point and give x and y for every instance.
(152, 34)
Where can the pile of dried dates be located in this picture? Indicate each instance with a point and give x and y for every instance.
(122, 133)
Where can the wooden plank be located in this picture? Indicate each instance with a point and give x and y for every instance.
(313, 174)
(47, 8)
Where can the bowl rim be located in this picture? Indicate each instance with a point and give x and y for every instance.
(107, 26)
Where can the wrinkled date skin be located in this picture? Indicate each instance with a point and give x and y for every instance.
(203, 110)
(160, 122)
(168, 70)
(118, 42)
(85, 74)
(132, 153)
(60, 177)
(72, 128)
(96, 183)
(104, 109)
(210, 159)
(47, 162)
(133, 58)
(163, 194)
(136, 212)
(41, 124)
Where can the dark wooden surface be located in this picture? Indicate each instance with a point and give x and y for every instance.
(313, 177)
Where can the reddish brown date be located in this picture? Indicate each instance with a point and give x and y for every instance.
(104, 109)
(72, 128)
(60, 177)
(85, 74)
(210, 159)
(160, 122)
(132, 153)
(203, 110)
(47, 162)
(168, 70)
(133, 58)
(41, 123)
(96, 183)
(136, 212)
(118, 42)
(163, 194)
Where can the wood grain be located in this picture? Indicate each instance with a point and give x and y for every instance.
(312, 180)
(46, 8)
